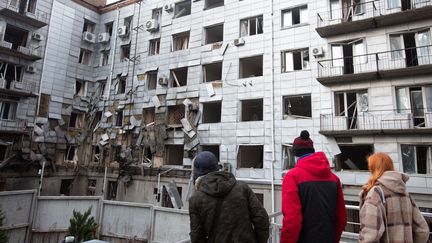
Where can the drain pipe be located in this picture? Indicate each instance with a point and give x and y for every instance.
(272, 116)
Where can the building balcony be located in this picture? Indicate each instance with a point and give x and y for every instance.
(384, 122)
(18, 10)
(12, 126)
(369, 15)
(31, 54)
(390, 64)
(19, 89)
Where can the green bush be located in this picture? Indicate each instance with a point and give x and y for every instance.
(82, 226)
(3, 235)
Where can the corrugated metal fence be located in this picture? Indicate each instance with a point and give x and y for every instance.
(46, 219)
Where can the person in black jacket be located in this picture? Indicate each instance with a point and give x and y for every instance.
(224, 210)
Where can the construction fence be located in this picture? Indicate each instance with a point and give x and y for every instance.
(45, 219)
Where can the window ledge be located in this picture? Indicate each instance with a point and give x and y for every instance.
(300, 70)
(294, 26)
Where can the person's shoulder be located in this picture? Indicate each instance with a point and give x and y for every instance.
(375, 195)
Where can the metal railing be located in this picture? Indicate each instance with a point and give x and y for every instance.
(360, 11)
(14, 5)
(377, 120)
(14, 125)
(375, 62)
(18, 86)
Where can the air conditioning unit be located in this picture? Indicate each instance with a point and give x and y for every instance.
(30, 69)
(103, 37)
(239, 42)
(123, 31)
(6, 44)
(163, 81)
(152, 25)
(318, 51)
(169, 7)
(37, 36)
(226, 167)
(89, 37)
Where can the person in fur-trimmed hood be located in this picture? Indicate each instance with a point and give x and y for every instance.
(222, 209)
(387, 211)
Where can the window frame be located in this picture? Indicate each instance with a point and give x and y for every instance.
(257, 19)
(292, 9)
(300, 51)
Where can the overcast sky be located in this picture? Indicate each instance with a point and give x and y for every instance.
(112, 1)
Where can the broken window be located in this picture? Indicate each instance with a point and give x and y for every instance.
(213, 4)
(178, 77)
(353, 157)
(293, 16)
(212, 72)
(416, 159)
(252, 110)
(70, 154)
(16, 36)
(85, 57)
(214, 33)
(91, 187)
(157, 14)
(31, 7)
(251, 26)
(76, 120)
(109, 28)
(125, 52)
(349, 55)
(414, 47)
(288, 157)
(5, 149)
(80, 87)
(148, 115)
(250, 156)
(88, 26)
(295, 60)
(121, 86)
(154, 47)
(9, 73)
(297, 106)
(251, 67)
(166, 198)
(104, 58)
(175, 114)
(112, 190)
(182, 9)
(350, 104)
(96, 153)
(119, 118)
(128, 23)
(181, 41)
(8, 110)
(174, 154)
(151, 80)
(416, 100)
(211, 148)
(212, 112)
(66, 187)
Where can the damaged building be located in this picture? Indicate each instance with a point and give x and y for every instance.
(117, 99)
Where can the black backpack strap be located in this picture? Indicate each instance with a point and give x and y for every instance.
(211, 235)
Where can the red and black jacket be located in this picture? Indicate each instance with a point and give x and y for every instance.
(312, 202)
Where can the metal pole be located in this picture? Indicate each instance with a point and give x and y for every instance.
(41, 177)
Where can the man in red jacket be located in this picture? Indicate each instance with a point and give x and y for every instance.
(312, 199)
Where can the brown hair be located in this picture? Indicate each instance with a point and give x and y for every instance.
(378, 163)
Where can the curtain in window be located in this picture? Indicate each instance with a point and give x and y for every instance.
(304, 15)
(243, 28)
(287, 18)
(393, 4)
(396, 46)
(305, 57)
(260, 25)
(423, 39)
(337, 55)
(402, 101)
(363, 102)
(289, 64)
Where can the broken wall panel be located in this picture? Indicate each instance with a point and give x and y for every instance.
(175, 114)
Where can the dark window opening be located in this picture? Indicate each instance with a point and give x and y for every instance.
(85, 57)
(250, 156)
(121, 86)
(76, 120)
(88, 26)
(16, 36)
(4, 149)
(96, 153)
(212, 112)
(181, 41)
(151, 80)
(252, 110)
(154, 47)
(212, 72)
(8, 73)
(119, 118)
(212, 148)
(353, 157)
(125, 52)
(213, 4)
(128, 23)
(299, 106)
(182, 9)
(175, 114)
(157, 14)
(91, 187)
(80, 87)
(112, 190)
(148, 115)
(214, 34)
(109, 28)
(174, 154)
(251, 67)
(66, 187)
(70, 153)
(104, 58)
(8, 110)
(31, 7)
(178, 77)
